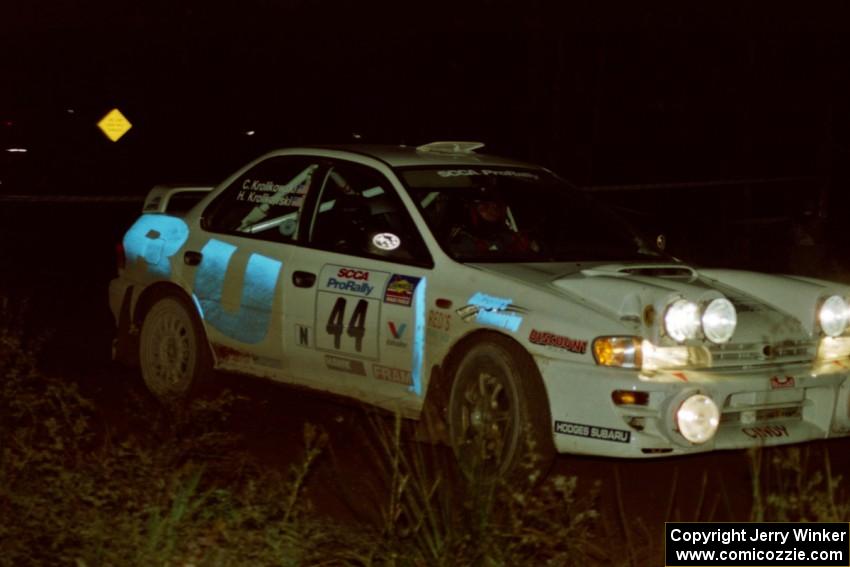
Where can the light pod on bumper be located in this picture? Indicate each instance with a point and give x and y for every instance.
(697, 418)
(719, 320)
(833, 315)
(682, 320)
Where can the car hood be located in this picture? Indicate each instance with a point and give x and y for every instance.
(772, 309)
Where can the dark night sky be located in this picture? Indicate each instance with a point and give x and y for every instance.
(606, 93)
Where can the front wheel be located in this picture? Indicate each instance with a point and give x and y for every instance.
(498, 412)
(173, 352)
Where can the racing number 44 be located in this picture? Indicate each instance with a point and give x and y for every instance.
(356, 325)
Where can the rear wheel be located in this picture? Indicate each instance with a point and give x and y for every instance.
(498, 412)
(173, 352)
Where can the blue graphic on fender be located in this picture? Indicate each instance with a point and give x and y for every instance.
(250, 323)
(155, 239)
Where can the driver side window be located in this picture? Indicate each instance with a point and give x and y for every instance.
(359, 213)
(265, 201)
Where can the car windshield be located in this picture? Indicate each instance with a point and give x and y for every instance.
(499, 214)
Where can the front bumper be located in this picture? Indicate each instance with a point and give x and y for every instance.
(761, 406)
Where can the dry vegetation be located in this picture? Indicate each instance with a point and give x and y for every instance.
(183, 491)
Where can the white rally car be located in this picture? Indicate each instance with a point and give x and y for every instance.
(481, 292)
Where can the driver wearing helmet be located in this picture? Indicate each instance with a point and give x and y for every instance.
(490, 229)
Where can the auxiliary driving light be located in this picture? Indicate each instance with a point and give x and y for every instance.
(681, 320)
(834, 315)
(719, 320)
(698, 418)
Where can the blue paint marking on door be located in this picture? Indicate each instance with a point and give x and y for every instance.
(155, 239)
(250, 323)
(418, 336)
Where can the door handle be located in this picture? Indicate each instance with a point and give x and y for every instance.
(192, 258)
(303, 279)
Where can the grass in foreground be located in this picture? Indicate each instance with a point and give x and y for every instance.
(186, 492)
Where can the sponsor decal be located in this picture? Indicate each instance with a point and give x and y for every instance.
(394, 375)
(765, 431)
(353, 274)
(490, 310)
(546, 338)
(779, 382)
(439, 321)
(386, 241)
(593, 432)
(484, 301)
(400, 289)
(490, 172)
(345, 365)
(351, 280)
(397, 333)
(302, 334)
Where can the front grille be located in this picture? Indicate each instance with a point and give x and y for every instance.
(760, 354)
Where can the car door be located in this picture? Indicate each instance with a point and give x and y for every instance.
(361, 325)
(241, 255)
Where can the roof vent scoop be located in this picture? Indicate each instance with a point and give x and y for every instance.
(451, 147)
(668, 271)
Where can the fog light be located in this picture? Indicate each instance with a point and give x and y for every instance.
(698, 418)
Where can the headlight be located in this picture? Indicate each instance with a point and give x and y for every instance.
(698, 418)
(833, 315)
(681, 320)
(719, 320)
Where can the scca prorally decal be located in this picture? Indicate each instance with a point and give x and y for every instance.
(546, 338)
(400, 289)
(250, 323)
(593, 432)
(353, 281)
(395, 375)
(155, 239)
(490, 172)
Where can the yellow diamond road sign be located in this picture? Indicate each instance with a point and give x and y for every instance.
(114, 125)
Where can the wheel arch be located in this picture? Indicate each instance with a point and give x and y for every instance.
(157, 291)
(439, 384)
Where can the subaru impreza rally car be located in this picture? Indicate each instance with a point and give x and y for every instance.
(484, 294)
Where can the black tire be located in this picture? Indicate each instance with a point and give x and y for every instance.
(498, 412)
(173, 352)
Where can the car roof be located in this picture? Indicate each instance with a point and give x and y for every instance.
(411, 156)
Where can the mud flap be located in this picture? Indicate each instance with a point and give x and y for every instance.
(125, 345)
(432, 426)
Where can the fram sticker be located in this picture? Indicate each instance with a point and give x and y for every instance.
(400, 289)
(394, 375)
(546, 338)
(765, 431)
(779, 382)
(345, 365)
(593, 432)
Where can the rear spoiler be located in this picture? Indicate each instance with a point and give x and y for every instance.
(174, 199)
